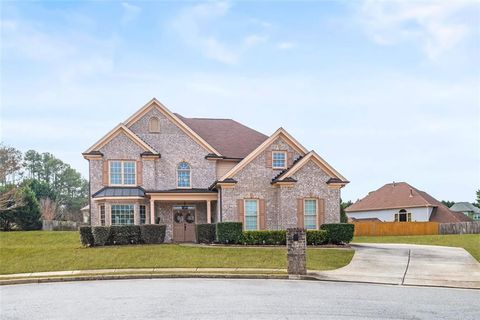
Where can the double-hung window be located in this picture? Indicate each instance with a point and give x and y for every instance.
(279, 160)
(251, 214)
(310, 211)
(143, 214)
(183, 175)
(123, 173)
(122, 214)
(102, 215)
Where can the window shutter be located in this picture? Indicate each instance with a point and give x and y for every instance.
(320, 212)
(300, 213)
(240, 211)
(396, 217)
(261, 213)
(289, 159)
(268, 159)
(105, 173)
(139, 172)
(409, 216)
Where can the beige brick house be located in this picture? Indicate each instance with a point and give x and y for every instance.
(160, 167)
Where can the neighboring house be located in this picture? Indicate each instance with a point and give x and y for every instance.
(467, 209)
(399, 201)
(160, 167)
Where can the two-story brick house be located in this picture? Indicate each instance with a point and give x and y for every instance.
(159, 167)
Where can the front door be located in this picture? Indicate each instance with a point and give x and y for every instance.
(184, 224)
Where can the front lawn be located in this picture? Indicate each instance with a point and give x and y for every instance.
(36, 251)
(470, 242)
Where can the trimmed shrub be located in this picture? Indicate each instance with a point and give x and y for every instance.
(86, 236)
(229, 232)
(265, 237)
(101, 235)
(338, 233)
(120, 235)
(152, 233)
(317, 237)
(206, 233)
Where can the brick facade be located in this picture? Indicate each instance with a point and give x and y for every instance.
(253, 181)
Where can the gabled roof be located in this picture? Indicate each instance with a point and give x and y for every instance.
(400, 195)
(231, 138)
(154, 103)
(121, 128)
(465, 207)
(336, 177)
(277, 134)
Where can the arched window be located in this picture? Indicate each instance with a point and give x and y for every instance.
(403, 216)
(183, 175)
(154, 125)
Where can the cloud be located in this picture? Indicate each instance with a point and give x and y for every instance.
(191, 25)
(435, 26)
(130, 12)
(65, 54)
(285, 45)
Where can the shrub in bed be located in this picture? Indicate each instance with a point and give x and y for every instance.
(206, 233)
(152, 233)
(265, 237)
(338, 233)
(317, 237)
(128, 234)
(86, 236)
(101, 235)
(229, 232)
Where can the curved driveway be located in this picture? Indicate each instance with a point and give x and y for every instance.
(408, 265)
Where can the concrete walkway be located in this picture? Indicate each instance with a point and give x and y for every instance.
(404, 264)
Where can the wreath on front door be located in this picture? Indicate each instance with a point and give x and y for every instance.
(178, 217)
(190, 217)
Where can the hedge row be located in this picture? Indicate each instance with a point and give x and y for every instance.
(232, 233)
(121, 235)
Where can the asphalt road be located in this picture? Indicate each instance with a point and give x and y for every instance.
(233, 299)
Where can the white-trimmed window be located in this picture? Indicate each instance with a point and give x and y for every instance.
(122, 214)
(310, 212)
(154, 125)
(102, 215)
(251, 214)
(183, 175)
(123, 172)
(403, 216)
(279, 159)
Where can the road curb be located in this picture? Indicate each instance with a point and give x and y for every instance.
(141, 276)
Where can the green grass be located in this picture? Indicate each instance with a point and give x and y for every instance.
(470, 242)
(37, 251)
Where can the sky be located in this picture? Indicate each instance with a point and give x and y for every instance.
(383, 90)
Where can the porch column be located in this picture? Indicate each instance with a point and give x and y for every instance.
(209, 212)
(152, 211)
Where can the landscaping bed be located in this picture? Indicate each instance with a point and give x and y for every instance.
(37, 251)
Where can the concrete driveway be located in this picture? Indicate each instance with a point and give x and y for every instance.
(404, 264)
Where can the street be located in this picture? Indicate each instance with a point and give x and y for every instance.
(233, 299)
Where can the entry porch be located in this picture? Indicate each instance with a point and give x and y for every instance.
(181, 210)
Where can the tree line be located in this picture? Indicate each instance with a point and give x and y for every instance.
(35, 186)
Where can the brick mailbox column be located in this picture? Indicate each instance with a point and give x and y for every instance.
(296, 252)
